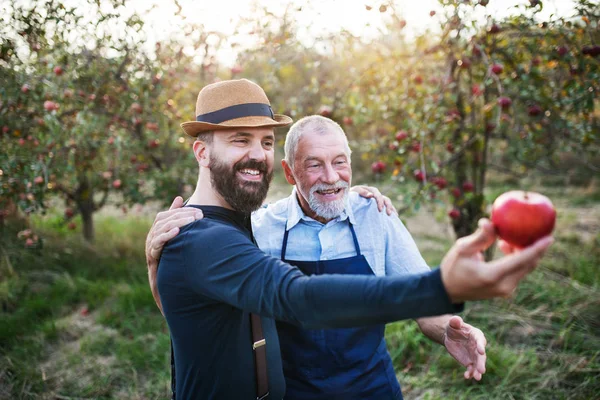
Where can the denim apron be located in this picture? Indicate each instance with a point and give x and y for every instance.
(343, 363)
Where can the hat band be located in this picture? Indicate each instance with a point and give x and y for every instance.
(237, 111)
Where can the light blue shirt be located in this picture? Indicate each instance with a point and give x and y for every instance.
(383, 240)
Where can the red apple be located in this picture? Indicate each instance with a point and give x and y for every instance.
(450, 147)
(153, 143)
(152, 126)
(464, 63)
(418, 79)
(117, 183)
(72, 225)
(58, 70)
(378, 167)
(419, 175)
(454, 213)
(468, 186)
(494, 29)
(562, 50)
(431, 13)
(401, 135)
(29, 242)
(111, 140)
(416, 147)
(504, 102)
(440, 182)
(348, 121)
(25, 88)
(521, 218)
(69, 212)
(393, 146)
(534, 110)
(136, 108)
(456, 192)
(38, 180)
(50, 105)
(325, 111)
(497, 69)
(476, 90)
(5, 129)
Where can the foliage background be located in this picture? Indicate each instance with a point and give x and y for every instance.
(442, 121)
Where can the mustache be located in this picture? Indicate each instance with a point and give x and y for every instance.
(322, 186)
(251, 164)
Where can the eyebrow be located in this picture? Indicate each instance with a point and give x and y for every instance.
(247, 134)
(314, 158)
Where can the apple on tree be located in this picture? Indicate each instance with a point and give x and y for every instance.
(521, 218)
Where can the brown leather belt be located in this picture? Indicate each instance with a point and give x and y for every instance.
(259, 346)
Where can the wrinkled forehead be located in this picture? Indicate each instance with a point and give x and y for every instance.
(327, 144)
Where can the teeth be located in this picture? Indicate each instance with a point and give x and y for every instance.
(250, 171)
(331, 191)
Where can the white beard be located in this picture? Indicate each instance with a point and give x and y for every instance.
(330, 209)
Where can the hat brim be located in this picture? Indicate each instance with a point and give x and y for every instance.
(194, 128)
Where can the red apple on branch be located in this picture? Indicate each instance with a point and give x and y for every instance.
(401, 135)
(521, 218)
(58, 70)
(378, 167)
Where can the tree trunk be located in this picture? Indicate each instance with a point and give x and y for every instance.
(84, 198)
(87, 217)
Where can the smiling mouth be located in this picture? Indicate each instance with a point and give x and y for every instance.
(329, 192)
(250, 174)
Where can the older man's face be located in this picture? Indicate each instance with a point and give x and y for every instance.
(323, 174)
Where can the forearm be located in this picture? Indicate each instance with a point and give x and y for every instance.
(152, 268)
(434, 327)
(330, 302)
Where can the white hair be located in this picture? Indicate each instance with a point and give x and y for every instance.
(315, 123)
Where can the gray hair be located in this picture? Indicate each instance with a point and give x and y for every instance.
(316, 123)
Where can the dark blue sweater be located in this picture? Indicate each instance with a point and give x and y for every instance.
(212, 275)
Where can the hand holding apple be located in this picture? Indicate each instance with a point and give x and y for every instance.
(521, 218)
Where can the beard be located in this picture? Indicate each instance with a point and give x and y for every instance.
(329, 209)
(242, 196)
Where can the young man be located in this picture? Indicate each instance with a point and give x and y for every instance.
(212, 277)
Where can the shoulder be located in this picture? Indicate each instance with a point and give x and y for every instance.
(277, 210)
(363, 207)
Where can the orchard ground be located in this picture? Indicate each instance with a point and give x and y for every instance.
(78, 320)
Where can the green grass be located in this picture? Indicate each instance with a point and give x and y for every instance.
(543, 343)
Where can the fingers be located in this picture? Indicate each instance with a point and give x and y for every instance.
(505, 247)
(469, 371)
(379, 198)
(177, 203)
(455, 322)
(157, 244)
(523, 261)
(479, 240)
(389, 207)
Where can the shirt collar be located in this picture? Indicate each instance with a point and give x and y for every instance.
(295, 212)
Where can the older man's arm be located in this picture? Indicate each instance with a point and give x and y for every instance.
(464, 342)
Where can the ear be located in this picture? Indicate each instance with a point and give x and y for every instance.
(287, 171)
(202, 153)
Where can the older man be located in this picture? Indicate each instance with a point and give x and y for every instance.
(213, 280)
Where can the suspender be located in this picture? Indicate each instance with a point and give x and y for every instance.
(260, 357)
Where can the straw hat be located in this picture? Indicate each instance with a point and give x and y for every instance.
(233, 104)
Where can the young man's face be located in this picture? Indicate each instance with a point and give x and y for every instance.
(241, 164)
(323, 174)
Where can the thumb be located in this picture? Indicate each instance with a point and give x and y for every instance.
(177, 203)
(455, 322)
(480, 239)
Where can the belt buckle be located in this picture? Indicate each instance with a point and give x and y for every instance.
(264, 396)
(258, 344)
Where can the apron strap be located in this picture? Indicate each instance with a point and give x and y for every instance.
(356, 246)
(284, 244)
(173, 383)
(260, 357)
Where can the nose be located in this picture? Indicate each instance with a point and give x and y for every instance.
(257, 152)
(330, 176)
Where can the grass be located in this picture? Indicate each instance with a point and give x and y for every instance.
(78, 321)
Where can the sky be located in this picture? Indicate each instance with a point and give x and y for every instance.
(315, 17)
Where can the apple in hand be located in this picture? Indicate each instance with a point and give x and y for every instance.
(521, 218)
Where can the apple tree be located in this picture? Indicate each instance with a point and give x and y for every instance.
(87, 113)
